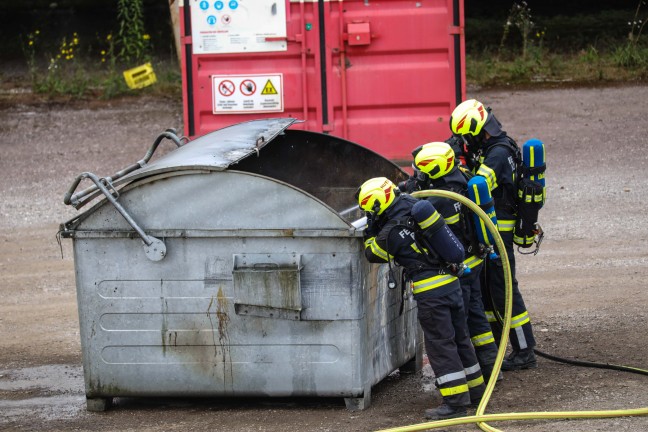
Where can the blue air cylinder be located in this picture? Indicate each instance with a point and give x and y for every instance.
(533, 158)
(479, 193)
(438, 238)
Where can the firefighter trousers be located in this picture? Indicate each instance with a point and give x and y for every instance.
(494, 291)
(479, 329)
(449, 350)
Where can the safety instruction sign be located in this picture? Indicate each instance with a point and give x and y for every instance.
(242, 94)
(238, 26)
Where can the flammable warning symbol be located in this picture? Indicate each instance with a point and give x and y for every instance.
(269, 89)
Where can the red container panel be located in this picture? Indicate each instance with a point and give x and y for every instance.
(383, 74)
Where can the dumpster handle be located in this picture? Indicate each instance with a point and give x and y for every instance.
(75, 200)
(154, 248)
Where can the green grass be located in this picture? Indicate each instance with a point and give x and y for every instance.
(83, 79)
(540, 68)
(605, 47)
(86, 78)
(625, 64)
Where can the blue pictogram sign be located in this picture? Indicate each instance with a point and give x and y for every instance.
(219, 5)
(233, 4)
(211, 20)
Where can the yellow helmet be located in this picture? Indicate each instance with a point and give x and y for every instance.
(435, 159)
(468, 118)
(376, 194)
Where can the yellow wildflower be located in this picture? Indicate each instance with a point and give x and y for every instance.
(146, 36)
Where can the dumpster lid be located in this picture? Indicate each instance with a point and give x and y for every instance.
(217, 150)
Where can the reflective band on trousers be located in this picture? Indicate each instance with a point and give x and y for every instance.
(433, 282)
(472, 369)
(453, 376)
(505, 225)
(490, 316)
(449, 391)
(429, 221)
(483, 339)
(520, 320)
(475, 382)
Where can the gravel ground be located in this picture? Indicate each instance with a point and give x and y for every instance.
(586, 291)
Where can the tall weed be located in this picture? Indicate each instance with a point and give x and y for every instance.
(633, 54)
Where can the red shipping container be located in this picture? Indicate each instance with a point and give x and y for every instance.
(384, 74)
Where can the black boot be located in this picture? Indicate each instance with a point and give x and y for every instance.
(522, 359)
(445, 411)
(487, 370)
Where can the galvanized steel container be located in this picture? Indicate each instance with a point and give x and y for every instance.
(232, 266)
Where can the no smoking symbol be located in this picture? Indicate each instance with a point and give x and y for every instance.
(226, 88)
(248, 87)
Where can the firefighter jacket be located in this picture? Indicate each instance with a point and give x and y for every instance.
(497, 165)
(397, 241)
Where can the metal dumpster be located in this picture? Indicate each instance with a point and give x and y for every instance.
(232, 266)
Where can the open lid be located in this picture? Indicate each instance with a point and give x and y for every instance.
(217, 150)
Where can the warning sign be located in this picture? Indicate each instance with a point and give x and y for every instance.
(226, 88)
(239, 94)
(238, 26)
(248, 87)
(269, 89)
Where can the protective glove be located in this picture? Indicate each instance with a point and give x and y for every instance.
(372, 226)
(408, 186)
(456, 143)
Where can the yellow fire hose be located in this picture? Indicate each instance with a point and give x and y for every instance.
(480, 418)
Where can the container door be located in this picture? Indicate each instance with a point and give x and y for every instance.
(384, 74)
(396, 72)
(249, 59)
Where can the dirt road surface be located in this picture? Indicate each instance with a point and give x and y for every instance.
(586, 291)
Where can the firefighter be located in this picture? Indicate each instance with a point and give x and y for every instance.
(493, 154)
(413, 234)
(436, 167)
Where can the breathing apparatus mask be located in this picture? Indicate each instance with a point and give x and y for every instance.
(474, 142)
(473, 147)
(422, 179)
